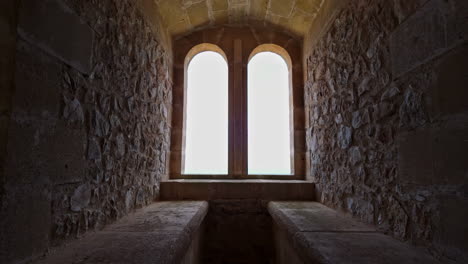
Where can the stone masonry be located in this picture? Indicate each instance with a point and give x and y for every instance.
(185, 16)
(387, 118)
(89, 133)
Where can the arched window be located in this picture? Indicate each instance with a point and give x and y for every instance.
(206, 112)
(270, 148)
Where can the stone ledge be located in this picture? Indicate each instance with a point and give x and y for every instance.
(318, 234)
(159, 233)
(237, 189)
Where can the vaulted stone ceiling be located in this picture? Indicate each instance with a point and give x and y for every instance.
(183, 16)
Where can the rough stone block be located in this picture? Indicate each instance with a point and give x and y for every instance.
(321, 235)
(37, 81)
(453, 227)
(313, 217)
(349, 248)
(434, 156)
(426, 30)
(56, 29)
(64, 155)
(281, 8)
(4, 120)
(403, 8)
(450, 92)
(45, 153)
(198, 14)
(28, 222)
(415, 157)
(159, 233)
(450, 151)
(457, 30)
(21, 165)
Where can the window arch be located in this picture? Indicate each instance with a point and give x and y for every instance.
(205, 139)
(237, 51)
(270, 114)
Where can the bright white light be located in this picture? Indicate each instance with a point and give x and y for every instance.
(268, 115)
(206, 142)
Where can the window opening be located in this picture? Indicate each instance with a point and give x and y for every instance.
(206, 115)
(269, 115)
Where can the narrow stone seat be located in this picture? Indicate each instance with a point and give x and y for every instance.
(309, 232)
(164, 232)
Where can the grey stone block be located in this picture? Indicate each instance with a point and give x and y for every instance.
(453, 227)
(419, 38)
(313, 217)
(321, 235)
(45, 152)
(64, 154)
(435, 156)
(415, 157)
(159, 233)
(350, 248)
(28, 223)
(38, 82)
(56, 29)
(450, 150)
(450, 92)
(457, 30)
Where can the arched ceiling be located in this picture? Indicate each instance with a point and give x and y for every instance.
(184, 16)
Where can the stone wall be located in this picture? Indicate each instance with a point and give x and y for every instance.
(387, 118)
(88, 138)
(7, 61)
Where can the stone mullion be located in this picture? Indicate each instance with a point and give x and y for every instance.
(237, 116)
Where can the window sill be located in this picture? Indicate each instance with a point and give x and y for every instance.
(216, 189)
(234, 177)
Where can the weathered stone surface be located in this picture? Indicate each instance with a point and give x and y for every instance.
(362, 248)
(160, 233)
(73, 111)
(435, 156)
(80, 198)
(64, 154)
(344, 136)
(453, 227)
(426, 29)
(412, 110)
(198, 14)
(236, 189)
(94, 150)
(55, 28)
(355, 155)
(449, 91)
(184, 17)
(30, 202)
(320, 235)
(313, 217)
(37, 90)
(415, 157)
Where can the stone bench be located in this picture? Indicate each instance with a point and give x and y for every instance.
(309, 232)
(164, 232)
